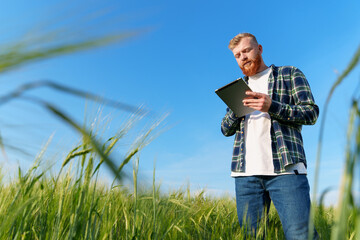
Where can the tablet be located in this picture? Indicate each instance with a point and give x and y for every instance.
(232, 94)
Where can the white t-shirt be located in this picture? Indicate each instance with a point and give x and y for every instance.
(258, 151)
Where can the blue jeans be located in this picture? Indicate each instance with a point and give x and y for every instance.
(290, 195)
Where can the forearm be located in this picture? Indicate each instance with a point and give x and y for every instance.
(304, 114)
(229, 123)
(296, 106)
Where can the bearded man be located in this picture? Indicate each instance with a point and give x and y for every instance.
(269, 162)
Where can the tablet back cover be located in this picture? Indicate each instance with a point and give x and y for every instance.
(233, 94)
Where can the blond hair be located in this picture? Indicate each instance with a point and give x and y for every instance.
(237, 39)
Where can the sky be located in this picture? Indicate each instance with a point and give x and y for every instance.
(173, 67)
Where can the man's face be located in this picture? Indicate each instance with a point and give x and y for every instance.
(248, 56)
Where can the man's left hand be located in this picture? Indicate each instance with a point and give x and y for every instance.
(257, 101)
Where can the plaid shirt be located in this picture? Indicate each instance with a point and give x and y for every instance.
(292, 106)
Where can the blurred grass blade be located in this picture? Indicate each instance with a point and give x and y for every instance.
(95, 145)
(354, 61)
(24, 53)
(2, 146)
(107, 150)
(345, 196)
(323, 194)
(76, 92)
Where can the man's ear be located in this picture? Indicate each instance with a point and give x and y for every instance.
(260, 48)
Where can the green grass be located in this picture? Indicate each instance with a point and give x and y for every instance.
(76, 205)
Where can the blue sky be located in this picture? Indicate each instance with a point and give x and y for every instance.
(174, 66)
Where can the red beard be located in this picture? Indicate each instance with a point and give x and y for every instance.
(252, 67)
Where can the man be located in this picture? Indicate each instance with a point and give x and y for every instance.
(268, 161)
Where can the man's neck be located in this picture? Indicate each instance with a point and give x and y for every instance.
(262, 68)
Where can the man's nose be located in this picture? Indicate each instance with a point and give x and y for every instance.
(243, 57)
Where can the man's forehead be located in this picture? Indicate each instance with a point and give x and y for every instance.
(245, 43)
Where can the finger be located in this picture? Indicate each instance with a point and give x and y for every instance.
(256, 94)
(251, 100)
(249, 93)
(254, 100)
(247, 98)
(252, 105)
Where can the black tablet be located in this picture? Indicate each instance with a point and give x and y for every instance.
(233, 94)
